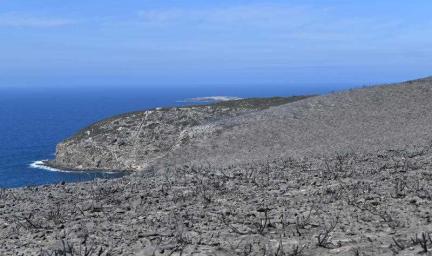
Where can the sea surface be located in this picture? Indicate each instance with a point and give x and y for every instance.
(33, 121)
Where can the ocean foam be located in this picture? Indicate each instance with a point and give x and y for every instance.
(40, 165)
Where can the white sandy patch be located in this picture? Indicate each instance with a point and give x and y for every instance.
(211, 99)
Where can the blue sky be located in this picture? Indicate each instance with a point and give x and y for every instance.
(161, 43)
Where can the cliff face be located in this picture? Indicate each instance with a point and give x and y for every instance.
(134, 141)
(367, 119)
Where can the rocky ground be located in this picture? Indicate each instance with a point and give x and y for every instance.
(351, 204)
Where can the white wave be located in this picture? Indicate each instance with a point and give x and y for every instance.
(211, 99)
(40, 165)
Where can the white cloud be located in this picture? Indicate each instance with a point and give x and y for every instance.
(275, 21)
(25, 21)
(262, 14)
(244, 27)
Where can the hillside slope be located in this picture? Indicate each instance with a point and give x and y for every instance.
(365, 119)
(135, 141)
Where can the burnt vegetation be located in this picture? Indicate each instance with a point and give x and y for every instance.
(349, 204)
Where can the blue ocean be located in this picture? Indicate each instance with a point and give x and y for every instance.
(33, 121)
